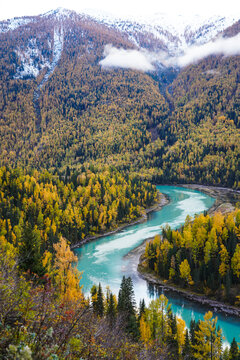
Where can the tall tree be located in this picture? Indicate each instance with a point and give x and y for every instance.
(234, 353)
(208, 339)
(29, 250)
(126, 306)
(99, 302)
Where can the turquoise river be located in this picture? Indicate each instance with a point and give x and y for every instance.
(104, 259)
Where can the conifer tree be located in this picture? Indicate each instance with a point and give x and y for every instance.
(93, 292)
(172, 335)
(141, 308)
(99, 302)
(234, 353)
(111, 309)
(186, 353)
(126, 301)
(29, 250)
(126, 306)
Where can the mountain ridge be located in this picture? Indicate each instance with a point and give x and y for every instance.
(171, 33)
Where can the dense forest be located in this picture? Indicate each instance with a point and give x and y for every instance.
(50, 318)
(37, 209)
(204, 255)
(185, 132)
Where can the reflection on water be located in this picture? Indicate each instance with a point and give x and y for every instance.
(188, 310)
(103, 260)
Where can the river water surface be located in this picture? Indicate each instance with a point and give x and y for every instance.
(104, 260)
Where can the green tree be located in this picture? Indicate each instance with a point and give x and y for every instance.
(29, 250)
(99, 302)
(234, 353)
(111, 309)
(126, 306)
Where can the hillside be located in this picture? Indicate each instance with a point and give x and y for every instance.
(60, 108)
(52, 87)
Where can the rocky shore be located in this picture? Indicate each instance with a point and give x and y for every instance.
(214, 305)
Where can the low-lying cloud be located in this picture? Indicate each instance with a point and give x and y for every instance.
(222, 46)
(126, 59)
(144, 60)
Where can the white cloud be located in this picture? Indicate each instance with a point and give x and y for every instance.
(227, 47)
(127, 59)
(144, 60)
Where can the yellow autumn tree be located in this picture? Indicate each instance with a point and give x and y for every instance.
(224, 256)
(181, 331)
(236, 261)
(157, 319)
(208, 339)
(185, 272)
(67, 277)
(145, 332)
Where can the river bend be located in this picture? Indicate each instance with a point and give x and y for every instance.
(104, 260)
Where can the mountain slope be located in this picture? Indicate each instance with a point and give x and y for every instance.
(54, 88)
(169, 32)
(59, 108)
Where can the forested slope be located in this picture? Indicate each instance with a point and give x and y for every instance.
(36, 209)
(59, 108)
(204, 255)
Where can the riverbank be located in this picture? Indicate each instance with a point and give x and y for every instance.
(162, 201)
(225, 202)
(226, 198)
(216, 306)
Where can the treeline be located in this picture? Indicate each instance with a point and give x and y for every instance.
(49, 318)
(37, 208)
(203, 255)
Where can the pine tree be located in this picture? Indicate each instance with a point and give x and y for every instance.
(193, 327)
(234, 353)
(186, 353)
(141, 308)
(172, 336)
(126, 306)
(93, 292)
(99, 302)
(111, 310)
(126, 301)
(29, 250)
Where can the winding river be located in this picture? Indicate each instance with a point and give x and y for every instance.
(105, 259)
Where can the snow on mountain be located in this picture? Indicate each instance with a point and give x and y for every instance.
(59, 14)
(12, 24)
(172, 33)
(57, 52)
(176, 32)
(30, 67)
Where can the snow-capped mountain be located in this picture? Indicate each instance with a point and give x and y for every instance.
(172, 32)
(39, 40)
